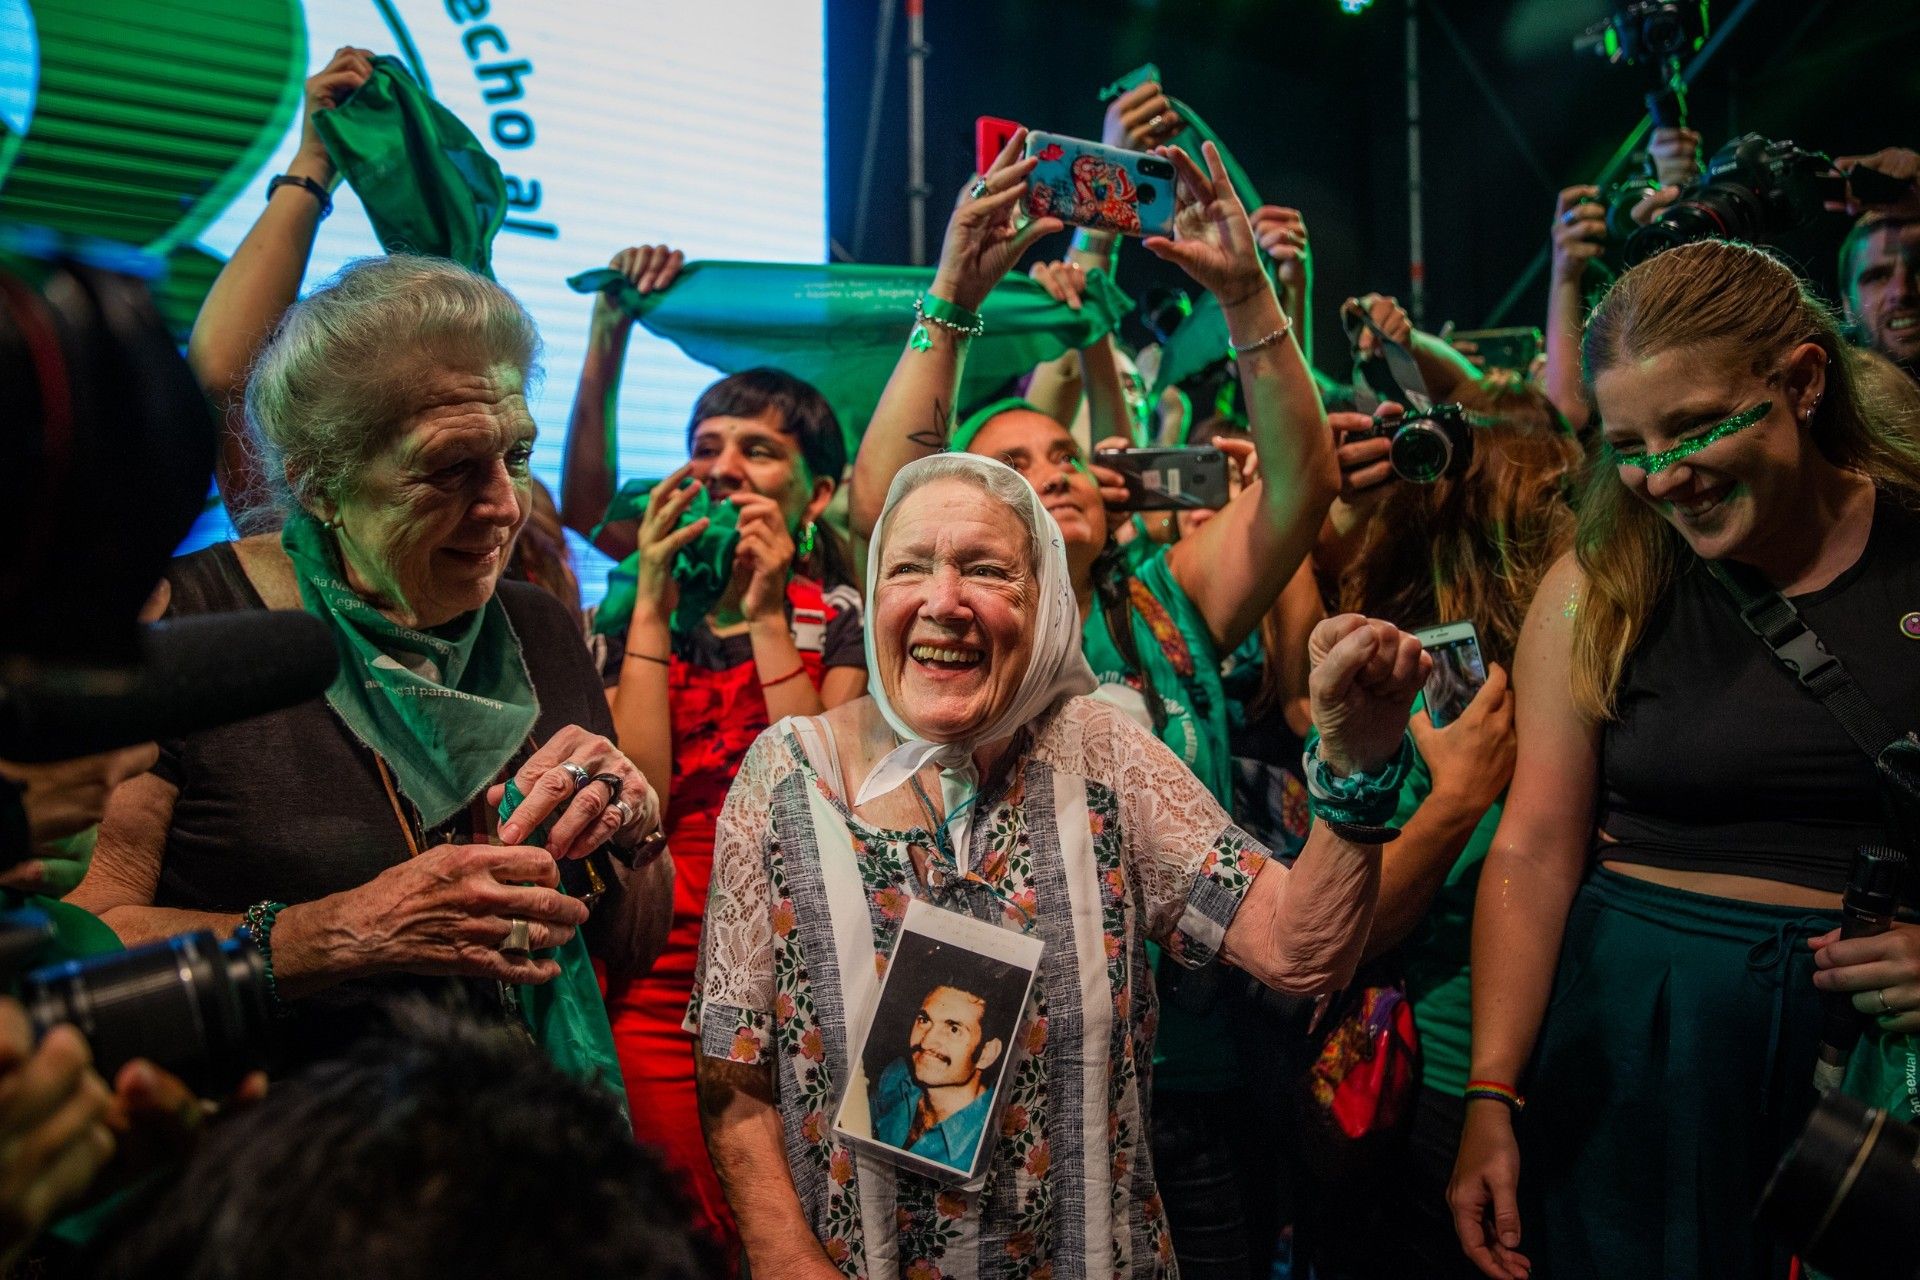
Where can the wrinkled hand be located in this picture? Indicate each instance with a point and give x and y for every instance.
(1065, 282)
(1282, 235)
(763, 557)
(588, 818)
(1365, 673)
(1386, 312)
(1484, 1193)
(1881, 973)
(1472, 758)
(1676, 156)
(446, 912)
(54, 1135)
(1895, 162)
(659, 539)
(984, 238)
(332, 85)
(1140, 119)
(68, 796)
(1212, 238)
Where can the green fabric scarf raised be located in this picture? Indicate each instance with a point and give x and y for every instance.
(841, 327)
(428, 185)
(446, 709)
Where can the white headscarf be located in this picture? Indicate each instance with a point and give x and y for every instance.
(1056, 668)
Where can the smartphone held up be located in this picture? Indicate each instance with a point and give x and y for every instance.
(1458, 670)
(1102, 188)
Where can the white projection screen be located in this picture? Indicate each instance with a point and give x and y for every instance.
(698, 123)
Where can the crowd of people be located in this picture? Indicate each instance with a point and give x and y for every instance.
(1232, 949)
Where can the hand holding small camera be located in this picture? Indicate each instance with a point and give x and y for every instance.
(54, 1111)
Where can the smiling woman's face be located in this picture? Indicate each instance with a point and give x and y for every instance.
(953, 608)
(430, 526)
(1716, 449)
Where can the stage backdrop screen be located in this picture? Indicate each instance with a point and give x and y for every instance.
(697, 124)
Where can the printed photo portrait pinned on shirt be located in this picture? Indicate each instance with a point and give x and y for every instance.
(942, 1038)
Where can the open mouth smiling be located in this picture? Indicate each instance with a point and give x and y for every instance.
(946, 657)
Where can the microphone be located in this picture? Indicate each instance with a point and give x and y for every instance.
(194, 673)
(1866, 909)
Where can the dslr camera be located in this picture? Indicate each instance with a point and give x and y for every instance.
(1753, 188)
(1428, 444)
(192, 1004)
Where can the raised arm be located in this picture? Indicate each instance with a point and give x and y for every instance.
(1526, 889)
(1237, 564)
(1579, 236)
(262, 279)
(1302, 929)
(916, 411)
(590, 461)
(1282, 234)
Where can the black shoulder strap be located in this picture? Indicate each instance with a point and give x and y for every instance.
(1895, 755)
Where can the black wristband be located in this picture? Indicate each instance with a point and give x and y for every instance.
(1354, 833)
(320, 193)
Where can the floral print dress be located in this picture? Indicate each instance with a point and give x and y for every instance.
(1102, 841)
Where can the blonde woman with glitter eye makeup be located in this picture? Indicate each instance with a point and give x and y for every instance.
(1656, 921)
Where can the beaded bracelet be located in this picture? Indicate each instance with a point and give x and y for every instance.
(1358, 799)
(1494, 1091)
(258, 923)
(928, 309)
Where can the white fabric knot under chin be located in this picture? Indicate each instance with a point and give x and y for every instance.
(1055, 670)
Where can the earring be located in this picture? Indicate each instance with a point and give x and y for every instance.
(806, 539)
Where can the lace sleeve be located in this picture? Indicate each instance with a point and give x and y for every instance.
(731, 1012)
(1191, 867)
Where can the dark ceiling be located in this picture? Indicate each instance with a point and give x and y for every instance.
(1313, 102)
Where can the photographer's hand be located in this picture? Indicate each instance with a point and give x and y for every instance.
(1213, 238)
(1579, 231)
(1676, 156)
(1881, 974)
(54, 1136)
(1895, 162)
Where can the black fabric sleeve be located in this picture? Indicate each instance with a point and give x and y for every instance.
(846, 642)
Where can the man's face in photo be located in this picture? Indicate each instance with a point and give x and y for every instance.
(1883, 293)
(947, 1047)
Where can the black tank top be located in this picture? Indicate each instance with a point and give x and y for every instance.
(1720, 761)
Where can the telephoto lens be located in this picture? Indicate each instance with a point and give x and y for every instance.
(1844, 1190)
(192, 1004)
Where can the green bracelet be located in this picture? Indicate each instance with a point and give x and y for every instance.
(258, 923)
(928, 309)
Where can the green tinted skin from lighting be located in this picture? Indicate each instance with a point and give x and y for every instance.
(1654, 463)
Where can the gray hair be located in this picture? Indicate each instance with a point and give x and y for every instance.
(342, 369)
(1001, 482)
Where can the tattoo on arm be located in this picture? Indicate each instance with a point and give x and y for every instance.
(936, 437)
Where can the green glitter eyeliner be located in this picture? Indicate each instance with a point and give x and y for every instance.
(1654, 463)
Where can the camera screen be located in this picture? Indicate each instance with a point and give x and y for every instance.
(1458, 673)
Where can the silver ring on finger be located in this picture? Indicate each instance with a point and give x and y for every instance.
(1886, 1006)
(579, 775)
(626, 812)
(519, 938)
(1153, 125)
(980, 190)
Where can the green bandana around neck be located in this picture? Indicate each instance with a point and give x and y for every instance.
(1654, 463)
(446, 709)
(700, 570)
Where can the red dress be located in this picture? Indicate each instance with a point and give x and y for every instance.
(716, 715)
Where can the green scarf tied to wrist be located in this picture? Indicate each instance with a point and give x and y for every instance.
(446, 708)
(700, 570)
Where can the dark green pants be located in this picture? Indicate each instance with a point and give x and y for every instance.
(1674, 1067)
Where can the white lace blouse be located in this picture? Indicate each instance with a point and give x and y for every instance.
(1102, 841)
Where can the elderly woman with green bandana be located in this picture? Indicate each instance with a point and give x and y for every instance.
(1153, 629)
(353, 835)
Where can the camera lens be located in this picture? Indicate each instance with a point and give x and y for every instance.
(192, 1005)
(1719, 210)
(1146, 193)
(1420, 452)
(1852, 1171)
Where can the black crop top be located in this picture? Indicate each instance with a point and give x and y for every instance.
(1720, 761)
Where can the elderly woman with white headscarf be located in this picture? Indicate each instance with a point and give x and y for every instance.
(979, 779)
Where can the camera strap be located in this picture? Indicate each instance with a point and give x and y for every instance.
(1895, 755)
(1401, 380)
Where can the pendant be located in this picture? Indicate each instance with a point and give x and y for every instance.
(920, 339)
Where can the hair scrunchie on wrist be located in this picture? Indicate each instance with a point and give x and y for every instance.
(1359, 800)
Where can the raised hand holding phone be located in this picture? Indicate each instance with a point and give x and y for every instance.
(984, 238)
